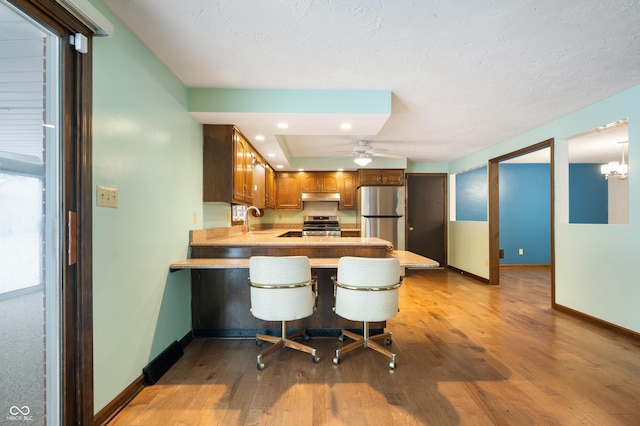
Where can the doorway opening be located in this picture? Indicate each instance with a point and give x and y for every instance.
(545, 149)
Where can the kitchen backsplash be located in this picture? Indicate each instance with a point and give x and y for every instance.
(217, 215)
(319, 208)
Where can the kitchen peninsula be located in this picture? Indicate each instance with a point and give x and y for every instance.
(220, 296)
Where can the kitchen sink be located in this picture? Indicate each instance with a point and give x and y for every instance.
(291, 234)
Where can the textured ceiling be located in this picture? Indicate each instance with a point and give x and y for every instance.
(463, 75)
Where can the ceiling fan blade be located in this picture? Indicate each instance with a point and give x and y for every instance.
(386, 155)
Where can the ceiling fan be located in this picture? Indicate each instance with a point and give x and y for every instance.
(363, 153)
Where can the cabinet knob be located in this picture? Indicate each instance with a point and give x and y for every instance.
(411, 228)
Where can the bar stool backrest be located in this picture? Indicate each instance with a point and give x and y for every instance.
(367, 288)
(281, 287)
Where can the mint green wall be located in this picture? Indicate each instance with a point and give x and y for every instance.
(427, 167)
(216, 215)
(595, 264)
(147, 145)
(293, 100)
(345, 162)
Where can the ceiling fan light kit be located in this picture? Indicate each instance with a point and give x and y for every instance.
(362, 159)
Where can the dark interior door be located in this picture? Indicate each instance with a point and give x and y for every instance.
(426, 216)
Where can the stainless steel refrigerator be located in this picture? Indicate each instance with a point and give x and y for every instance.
(381, 213)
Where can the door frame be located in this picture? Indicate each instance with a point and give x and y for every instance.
(494, 211)
(76, 229)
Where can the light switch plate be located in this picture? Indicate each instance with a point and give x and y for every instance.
(107, 197)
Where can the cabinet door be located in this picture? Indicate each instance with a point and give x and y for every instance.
(218, 163)
(329, 182)
(393, 177)
(369, 177)
(320, 182)
(270, 196)
(259, 185)
(249, 163)
(244, 161)
(347, 191)
(238, 168)
(311, 182)
(381, 177)
(289, 191)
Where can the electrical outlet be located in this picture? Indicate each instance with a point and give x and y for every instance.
(520, 252)
(107, 197)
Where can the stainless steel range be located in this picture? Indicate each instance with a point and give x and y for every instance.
(320, 226)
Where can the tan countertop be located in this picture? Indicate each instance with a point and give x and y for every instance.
(229, 237)
(272, 237)
(407, 259)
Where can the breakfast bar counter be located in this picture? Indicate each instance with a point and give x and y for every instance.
(276, 237)
(275, 242)
(407, 259)
(219, 265)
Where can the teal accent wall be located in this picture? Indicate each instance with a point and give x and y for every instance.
(472, 194)
(588, 194)
(524, 214)
(147, 146)
(524, 209)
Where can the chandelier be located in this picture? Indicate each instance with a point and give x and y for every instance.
(614, 169)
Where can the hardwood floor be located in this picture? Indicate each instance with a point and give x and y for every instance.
(467, 353)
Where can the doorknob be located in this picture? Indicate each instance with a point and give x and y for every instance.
(411, 228)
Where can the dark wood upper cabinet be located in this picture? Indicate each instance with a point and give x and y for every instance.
(381, 177)
(343, 183)
(234, 172)
(228, 165)
(259, 185)
(320, 182)
(270, 188)
(347, 182)
(289, 191)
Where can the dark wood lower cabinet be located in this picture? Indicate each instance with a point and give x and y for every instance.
(221, 299)
(272, 250)
(221, 302)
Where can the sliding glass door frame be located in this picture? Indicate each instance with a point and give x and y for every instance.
(76, 322)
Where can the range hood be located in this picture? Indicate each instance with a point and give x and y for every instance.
(320, 196)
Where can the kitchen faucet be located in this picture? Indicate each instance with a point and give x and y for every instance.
(245, 227)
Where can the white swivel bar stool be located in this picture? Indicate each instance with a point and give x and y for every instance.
(282, 289)
(366, 289)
